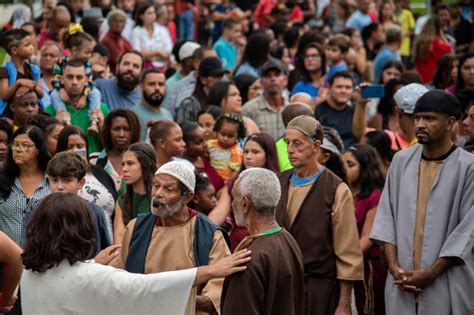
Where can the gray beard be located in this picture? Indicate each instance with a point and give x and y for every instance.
(169, 209)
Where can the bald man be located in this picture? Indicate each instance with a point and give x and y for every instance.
(304, 98)
(292, 110)
(57, 25)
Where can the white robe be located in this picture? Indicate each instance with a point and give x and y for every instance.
(448, 231)
(89, 288)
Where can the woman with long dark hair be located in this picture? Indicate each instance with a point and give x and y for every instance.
(99, 187)
(465, 76)
(51, 128)
(445, 74)
(366, 180)
(429, 46)
(311, 67)
(139, 167)
(23, 183)
(6, 135)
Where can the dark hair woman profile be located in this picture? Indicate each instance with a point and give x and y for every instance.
(58, 277)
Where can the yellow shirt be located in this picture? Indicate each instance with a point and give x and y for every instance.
(408, 24)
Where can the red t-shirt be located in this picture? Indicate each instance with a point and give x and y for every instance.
(427, 66)
(264, 8)
(362, 206)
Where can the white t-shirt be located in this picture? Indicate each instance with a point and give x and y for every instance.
(96, 193)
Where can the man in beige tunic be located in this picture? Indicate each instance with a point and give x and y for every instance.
(175, 237)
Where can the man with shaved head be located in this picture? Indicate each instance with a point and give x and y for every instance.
(291, 111)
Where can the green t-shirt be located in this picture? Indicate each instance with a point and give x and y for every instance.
(140, 204)
(282, 152)
(80, 118)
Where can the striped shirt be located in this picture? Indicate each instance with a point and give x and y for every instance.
(17, 207)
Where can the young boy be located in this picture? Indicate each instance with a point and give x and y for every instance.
(18, 71)
(224, 47)
(66, 172)
(336, 51)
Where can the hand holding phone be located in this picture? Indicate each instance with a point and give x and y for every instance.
(372, 91)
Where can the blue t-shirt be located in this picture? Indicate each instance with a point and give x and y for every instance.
(385, 55)
(305, 87)
(226, 52)
(115, 97)
(358, 20)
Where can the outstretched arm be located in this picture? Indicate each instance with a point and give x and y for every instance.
(10, 255)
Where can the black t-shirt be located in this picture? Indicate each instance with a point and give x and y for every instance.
(463, 33)
(339, 120)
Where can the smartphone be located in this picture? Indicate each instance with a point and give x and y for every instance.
(373, 91)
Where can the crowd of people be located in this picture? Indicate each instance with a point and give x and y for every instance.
(237, 157)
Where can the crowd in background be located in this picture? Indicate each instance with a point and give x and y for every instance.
(132, 85)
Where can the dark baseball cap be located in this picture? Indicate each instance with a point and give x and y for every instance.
(211, 67)
(272, 64)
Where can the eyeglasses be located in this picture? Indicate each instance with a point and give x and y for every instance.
(21, 146)
(312, 56)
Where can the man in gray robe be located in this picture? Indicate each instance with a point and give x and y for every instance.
(425, 217)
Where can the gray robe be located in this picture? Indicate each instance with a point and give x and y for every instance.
(448, 231)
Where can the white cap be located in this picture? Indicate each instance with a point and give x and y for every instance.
(181, 171)
(406, 97)
(188, 49)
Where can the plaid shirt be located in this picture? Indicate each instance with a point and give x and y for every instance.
(266, 118)
(15, 210)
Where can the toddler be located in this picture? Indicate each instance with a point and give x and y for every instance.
(225, 153)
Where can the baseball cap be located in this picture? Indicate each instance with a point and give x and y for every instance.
(406, 97)
(187, 50)
(306, 124)
(272, 64)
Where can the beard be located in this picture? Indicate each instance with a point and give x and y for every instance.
(127, 84)
(154, 99)
(240, 219)
(169, 210)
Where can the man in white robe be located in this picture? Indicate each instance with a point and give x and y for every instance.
(425, 217)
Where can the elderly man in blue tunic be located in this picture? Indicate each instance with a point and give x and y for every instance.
(425, 217)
